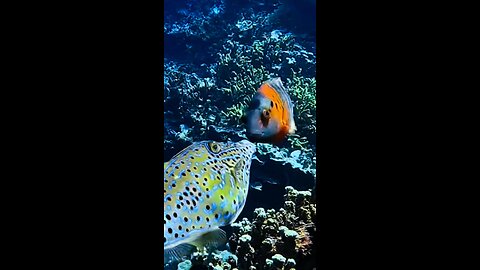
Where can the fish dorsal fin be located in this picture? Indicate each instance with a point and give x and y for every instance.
(211, 239)
(178, 252)
(276, 83)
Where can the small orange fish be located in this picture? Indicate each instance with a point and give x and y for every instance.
(269, 118)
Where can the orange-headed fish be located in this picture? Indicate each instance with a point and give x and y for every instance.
(269, 117)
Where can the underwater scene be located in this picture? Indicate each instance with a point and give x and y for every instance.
(240, 134)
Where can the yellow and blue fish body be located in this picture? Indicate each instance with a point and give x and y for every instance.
(205, 187)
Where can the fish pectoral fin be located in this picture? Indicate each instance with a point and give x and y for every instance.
(211, 239)
(178, 252)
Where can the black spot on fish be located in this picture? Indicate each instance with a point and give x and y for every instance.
(184, 174)
(164, 239)
(175, 215)
(170, 230)
(168, 217)
(176, 235)
(216, 215)
(198, 218)
(187, 188)
(221, 197)
(207, 207)
(173, 185)
(185, 193)
(185, 219)
(180, 227)
(178, 206)
(208, 219)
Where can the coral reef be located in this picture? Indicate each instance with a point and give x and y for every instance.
(282, 239)
(222, 52)
(217, 54)
(211, 106)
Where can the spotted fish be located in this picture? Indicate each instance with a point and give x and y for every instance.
(205, 186)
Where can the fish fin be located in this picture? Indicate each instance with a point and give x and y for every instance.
(257, 186)
(211, 239)
(237, 172)
(178, 252)
(276, 83)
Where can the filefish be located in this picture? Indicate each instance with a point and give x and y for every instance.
(205, 187)
(269, 117)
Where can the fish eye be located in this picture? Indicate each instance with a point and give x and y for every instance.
(214, 147)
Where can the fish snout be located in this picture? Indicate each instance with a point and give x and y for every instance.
(248, 146)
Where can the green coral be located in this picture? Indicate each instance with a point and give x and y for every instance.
(220, 95)
(242, 69)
